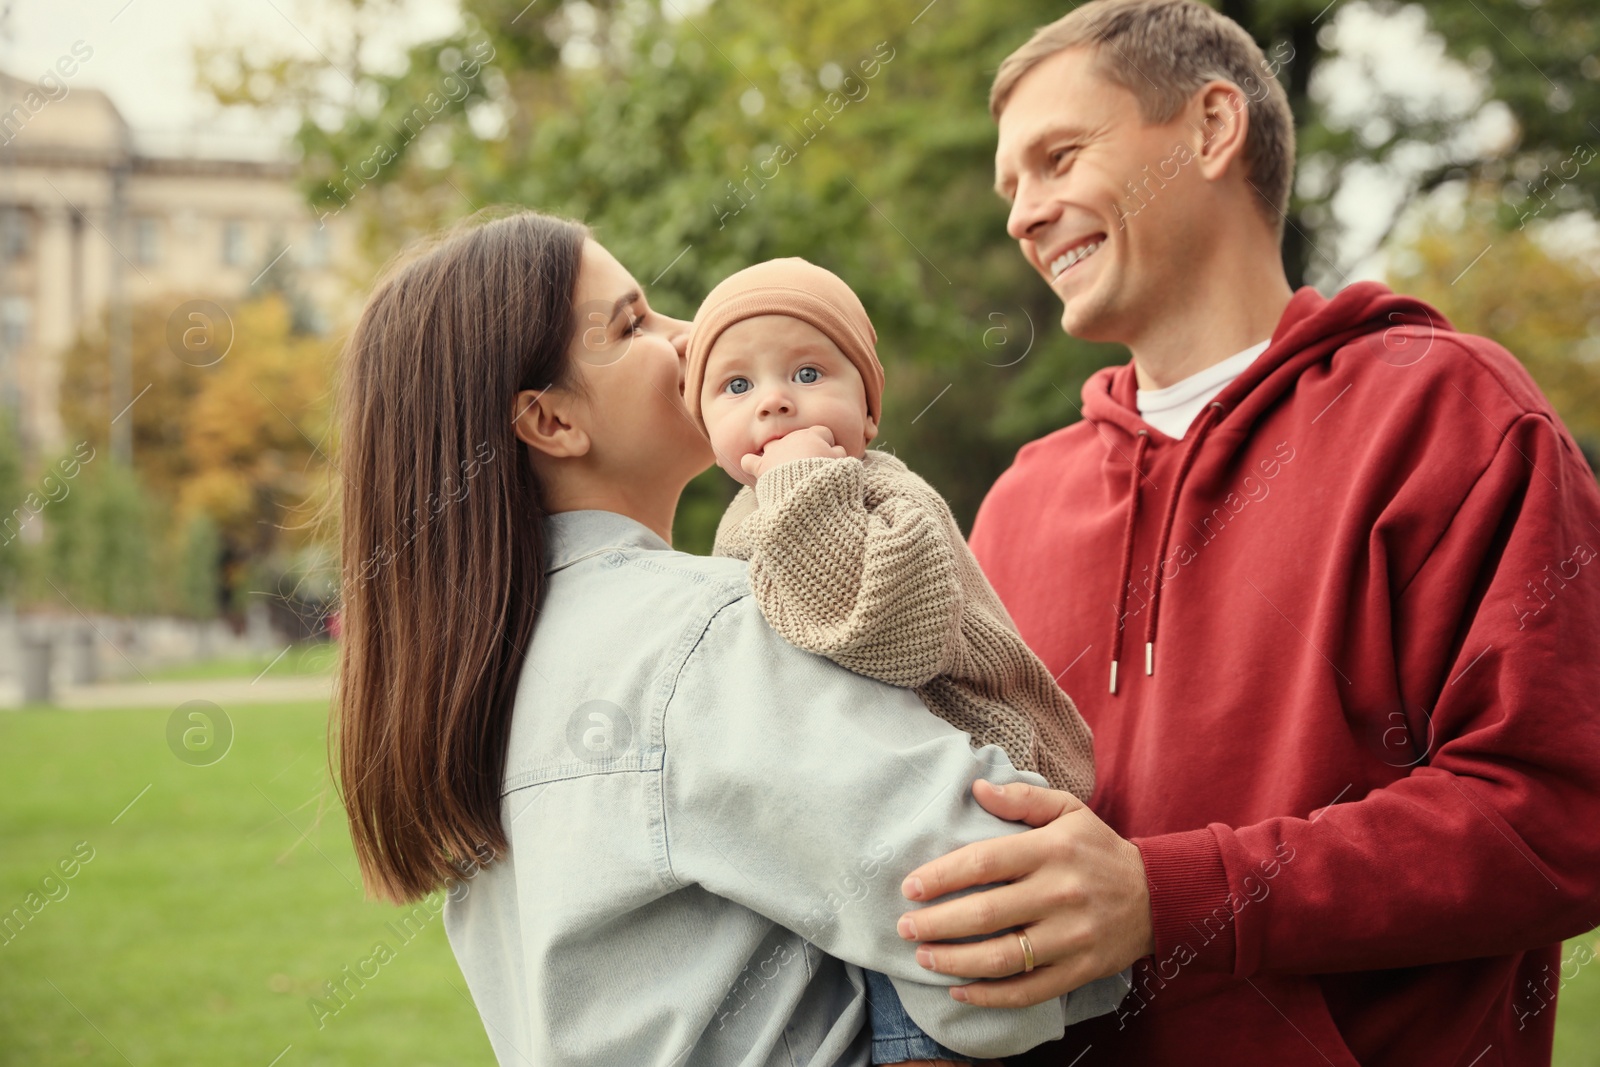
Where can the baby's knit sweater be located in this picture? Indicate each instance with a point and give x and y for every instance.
(860, 560)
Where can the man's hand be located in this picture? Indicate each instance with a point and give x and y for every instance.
(797, 444)
(1077, 890)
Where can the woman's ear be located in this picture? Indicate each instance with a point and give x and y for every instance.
(544, 419)
(872, 428)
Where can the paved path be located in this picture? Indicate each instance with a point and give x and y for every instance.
(224, 692)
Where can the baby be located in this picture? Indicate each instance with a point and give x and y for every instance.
(852, 556)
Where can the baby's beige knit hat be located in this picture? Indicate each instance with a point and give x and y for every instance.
(792, 287)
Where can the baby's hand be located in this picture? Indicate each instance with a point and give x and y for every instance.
(797, 444)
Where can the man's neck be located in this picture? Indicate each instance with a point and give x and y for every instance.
(1231, 303)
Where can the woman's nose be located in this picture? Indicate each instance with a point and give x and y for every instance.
(678, 333)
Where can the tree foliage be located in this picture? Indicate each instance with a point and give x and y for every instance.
(1543, 306)
(698, 139)
(228, 447)
(99, 552)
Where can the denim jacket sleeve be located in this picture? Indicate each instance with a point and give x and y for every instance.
(806, 793)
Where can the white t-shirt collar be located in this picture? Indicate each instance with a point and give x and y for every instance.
(1173, 408)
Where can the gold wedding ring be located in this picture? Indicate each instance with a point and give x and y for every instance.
(1027, 952)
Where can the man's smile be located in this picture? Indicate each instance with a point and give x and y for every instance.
(1072, 253)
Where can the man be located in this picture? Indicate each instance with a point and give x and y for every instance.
(1322, 578)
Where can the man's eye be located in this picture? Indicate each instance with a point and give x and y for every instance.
(739, 385)
(807, 375)
(1060, 154)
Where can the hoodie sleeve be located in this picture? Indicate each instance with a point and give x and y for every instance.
(1487, 846)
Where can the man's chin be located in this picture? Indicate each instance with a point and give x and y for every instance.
(1086, 324)
(1097, 314)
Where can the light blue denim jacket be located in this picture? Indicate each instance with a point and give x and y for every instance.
(708, 830)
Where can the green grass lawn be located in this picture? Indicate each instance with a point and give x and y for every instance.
(1578, 1009)
(204, 924)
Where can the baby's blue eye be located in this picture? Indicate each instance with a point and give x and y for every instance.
(739, 385)
(800, 375)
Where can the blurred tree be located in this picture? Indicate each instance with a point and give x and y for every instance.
(1542, 306)
(233, 434)
(98, 546)
(199, 568)
(164, 387)
(251, 436)
(698, 139)
(1539, 58)
(1517, 114)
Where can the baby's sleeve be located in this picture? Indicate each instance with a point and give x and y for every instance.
(869, 580)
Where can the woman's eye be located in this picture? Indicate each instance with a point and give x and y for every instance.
(807, 375)
(635, 324)
(739, 385)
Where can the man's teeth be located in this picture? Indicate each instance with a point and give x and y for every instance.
(1072, 256)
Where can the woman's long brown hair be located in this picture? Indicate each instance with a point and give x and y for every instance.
(442, 540)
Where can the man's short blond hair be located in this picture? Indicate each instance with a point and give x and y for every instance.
(1163, 51)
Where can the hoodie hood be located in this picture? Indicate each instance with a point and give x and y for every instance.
(1311, 329)
(1394, 328)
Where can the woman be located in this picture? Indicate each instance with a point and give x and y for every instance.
(668, 836)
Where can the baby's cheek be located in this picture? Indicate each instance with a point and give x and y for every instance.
(728, 445)
(849, 432)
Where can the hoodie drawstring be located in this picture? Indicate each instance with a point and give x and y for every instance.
(1203, 424)
(1127, 554)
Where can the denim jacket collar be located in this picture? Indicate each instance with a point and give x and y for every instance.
(575, 535)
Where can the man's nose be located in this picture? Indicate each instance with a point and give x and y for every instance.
(1031, 211)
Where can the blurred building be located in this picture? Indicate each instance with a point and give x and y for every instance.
(86, 214)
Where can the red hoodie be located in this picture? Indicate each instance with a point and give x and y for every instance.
(1362, 758)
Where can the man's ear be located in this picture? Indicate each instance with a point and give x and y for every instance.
(544, 419)
(1223, 121)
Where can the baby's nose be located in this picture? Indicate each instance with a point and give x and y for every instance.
(777, 402)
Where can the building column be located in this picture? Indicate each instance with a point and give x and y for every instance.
(53, 329)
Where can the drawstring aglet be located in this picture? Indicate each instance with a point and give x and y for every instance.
(1113, 676)
(1149, 657)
